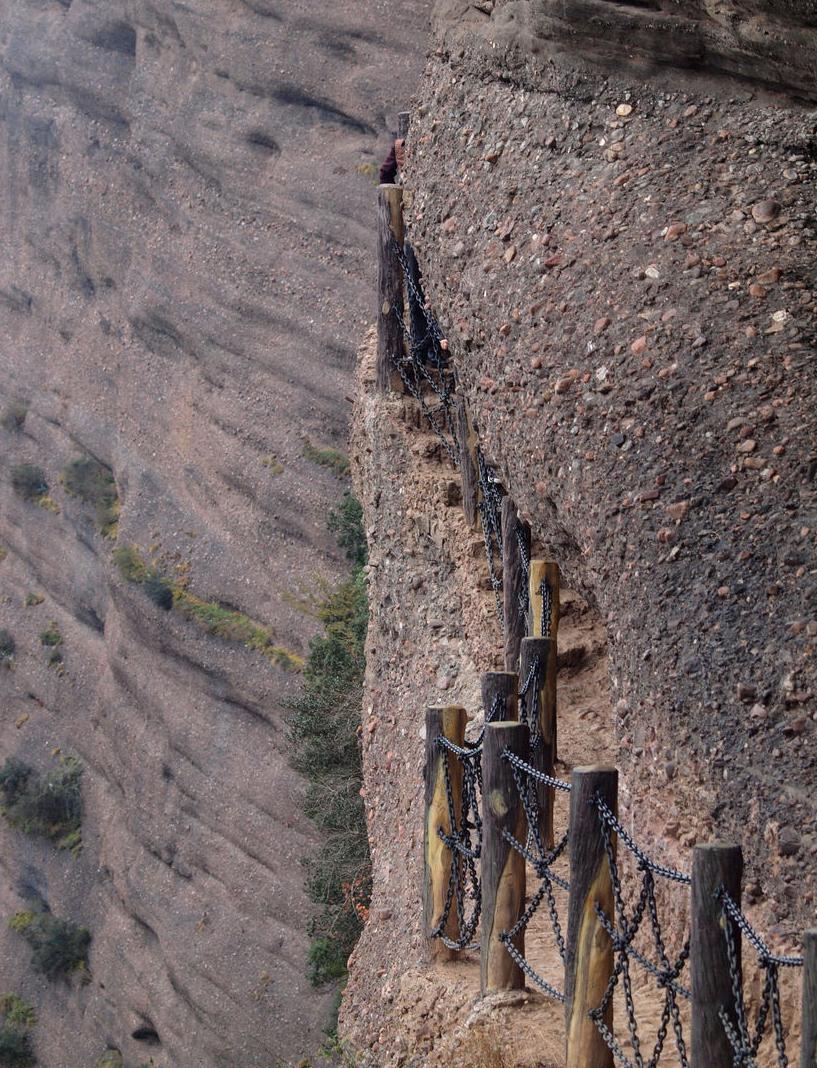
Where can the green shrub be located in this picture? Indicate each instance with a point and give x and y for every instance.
(335, 460)
(131, 566)
(59, 947)
(51, 636)
(323, 721)
(159, 591)
(16, 1013)
(94, 484)
(3, 553)
(346, 522)
(47, 805)
(14, 416)
(33, 599)
(15, 1049)
(111, 1058)
(29, 482)
(7, 646)
(215, 618)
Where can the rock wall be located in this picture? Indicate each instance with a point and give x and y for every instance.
(186, 191)
(624, 265)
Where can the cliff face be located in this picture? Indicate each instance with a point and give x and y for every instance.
(624, 267)
(185, 209)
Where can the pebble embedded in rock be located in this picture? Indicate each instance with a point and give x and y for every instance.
(765, 211)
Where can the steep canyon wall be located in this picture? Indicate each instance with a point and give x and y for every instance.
(185, 269)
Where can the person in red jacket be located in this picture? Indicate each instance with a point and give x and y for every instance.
(394, 162)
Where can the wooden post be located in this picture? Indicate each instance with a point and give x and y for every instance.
(467, 441)
(808, 1039)
(589, 963)
(403, 119)
(503, 867)
(513, 580)
(448, 721)
(541, 702)
(389, 282)
(714, 865)
(549, 571)
(505, 685)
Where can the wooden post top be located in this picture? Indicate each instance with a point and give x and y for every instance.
(507, 724)
(716, 847)
(595, 769)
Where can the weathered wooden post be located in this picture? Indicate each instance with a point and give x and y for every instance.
(545, 624)
(389, 281)
(589, 963)
(514, 580)
(541, 704)
(467, 441)
(403, 119)
(546, 571)
(503, 867)
(808, 1040)
(447, 722)
(503, 685)
(715, 866)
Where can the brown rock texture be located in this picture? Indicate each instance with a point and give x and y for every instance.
(186, 191)
(640, 370)
(765, 42)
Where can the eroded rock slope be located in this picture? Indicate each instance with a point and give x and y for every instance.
(185, 224)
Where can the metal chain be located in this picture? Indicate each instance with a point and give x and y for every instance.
(745, 1043)
(622, 932)
(644, 862)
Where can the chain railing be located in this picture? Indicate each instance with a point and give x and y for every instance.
(629, 922)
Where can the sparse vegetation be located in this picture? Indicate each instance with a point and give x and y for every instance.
(335, 460)
(32, 600)
(15, 1042)
(8, 646)
(14, 417)
(346, 523)
(369, 170)
(93, 483)
(48, 805)
(216, 619)
(323, 722)
(29, 482)
(59, 947)
(51, 636)
(3, 553)
(273, 463)
(111, 1058)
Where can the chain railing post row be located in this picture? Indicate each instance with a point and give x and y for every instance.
(503, 867)
(448, 722)
(716, 867)
(502, 686)
(469, 471)
(389, 282)
(808, 1030)
(514, 580)
(589, 962)
(537, 663)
